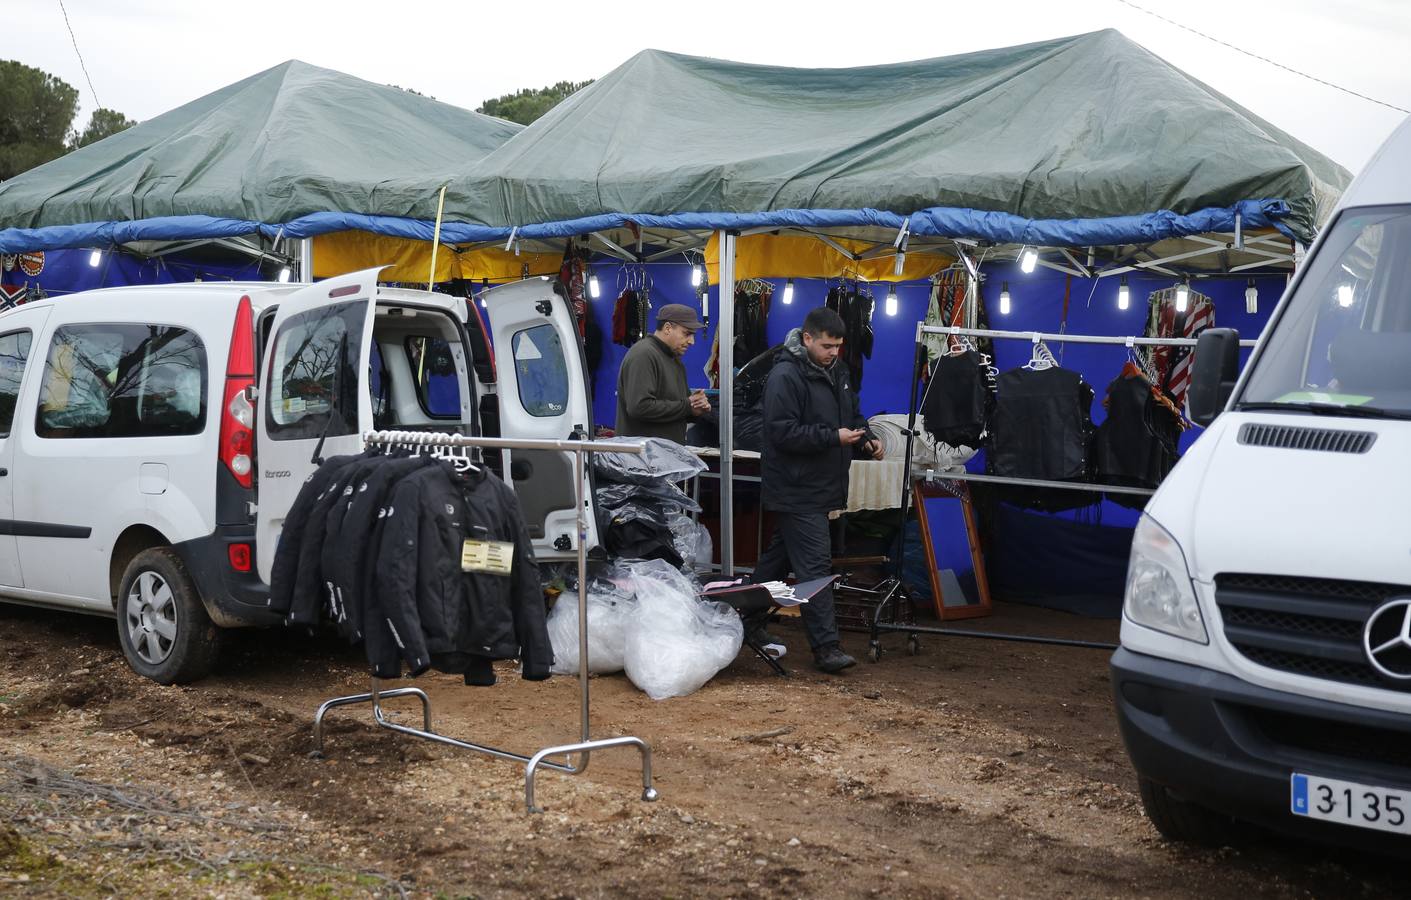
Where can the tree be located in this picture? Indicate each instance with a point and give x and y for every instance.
(101, 124)
(528, 104)
(36, 110)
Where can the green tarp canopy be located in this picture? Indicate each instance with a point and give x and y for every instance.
(293, 142)
(1090, 128)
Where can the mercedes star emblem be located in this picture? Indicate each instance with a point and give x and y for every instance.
(1387, 639)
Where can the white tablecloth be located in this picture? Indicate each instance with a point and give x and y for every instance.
(872, 483)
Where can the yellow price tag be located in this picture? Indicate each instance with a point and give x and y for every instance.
(492, 557)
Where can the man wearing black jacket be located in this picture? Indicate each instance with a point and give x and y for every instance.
(812, 426)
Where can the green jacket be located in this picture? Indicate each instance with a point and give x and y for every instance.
(652, 397)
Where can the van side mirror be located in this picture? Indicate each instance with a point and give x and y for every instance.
(1214, 371)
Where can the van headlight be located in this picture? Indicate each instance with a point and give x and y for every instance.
(1159, 590)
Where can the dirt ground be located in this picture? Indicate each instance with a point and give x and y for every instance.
(974, 769)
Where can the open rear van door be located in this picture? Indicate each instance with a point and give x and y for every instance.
(543, 393)
(312, 401)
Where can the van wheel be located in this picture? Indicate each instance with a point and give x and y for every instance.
(163, 626)
(1181, 820)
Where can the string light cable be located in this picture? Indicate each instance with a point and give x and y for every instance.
(81, 64)
(1264, 59)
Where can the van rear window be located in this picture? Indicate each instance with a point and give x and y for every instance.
(122, 380)
(314, 374)
(541, 370)
(14, 350)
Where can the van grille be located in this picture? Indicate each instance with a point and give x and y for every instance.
(1331, 738)
(1305, 626)
(1290, 437)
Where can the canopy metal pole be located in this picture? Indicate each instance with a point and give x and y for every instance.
(725, 326)
(306, 260)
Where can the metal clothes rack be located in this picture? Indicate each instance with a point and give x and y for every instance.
(922, 329)
(542, 758)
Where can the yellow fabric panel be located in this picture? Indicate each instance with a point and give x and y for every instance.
(350, 251)
(498, 264)
(410, 260)
(792, 256)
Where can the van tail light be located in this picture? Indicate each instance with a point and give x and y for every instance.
(239, 555)
(237, 422)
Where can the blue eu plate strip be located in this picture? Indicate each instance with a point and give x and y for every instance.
(1300, 795)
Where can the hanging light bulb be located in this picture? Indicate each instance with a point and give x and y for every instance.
(892, 300)
(1183, 294)
(1028, 258)
(697, 273)
(1004, 299)
(285, 274)
(95, 258)
(484, 286)
(788, 292)
(593, 288)
(1124, 294)
(1345, 295)
(1251, 297)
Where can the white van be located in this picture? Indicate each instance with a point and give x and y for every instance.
(145, 475)
(1265, 667)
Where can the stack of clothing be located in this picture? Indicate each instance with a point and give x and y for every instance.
(642, 512)
(428, 564)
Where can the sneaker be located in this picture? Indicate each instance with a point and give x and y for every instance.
(831, 659)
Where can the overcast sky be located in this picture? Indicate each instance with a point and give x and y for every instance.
(148, 56)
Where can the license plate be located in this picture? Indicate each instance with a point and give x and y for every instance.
(1350, 803)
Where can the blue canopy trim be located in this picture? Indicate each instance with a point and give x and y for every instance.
(1001, 228)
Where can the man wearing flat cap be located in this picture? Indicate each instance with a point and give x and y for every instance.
(652, 397)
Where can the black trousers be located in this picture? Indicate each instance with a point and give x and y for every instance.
(802, 544)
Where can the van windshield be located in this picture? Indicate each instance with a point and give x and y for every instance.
(1342, 346)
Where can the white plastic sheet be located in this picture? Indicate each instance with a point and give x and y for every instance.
(675, 642)
(610, 605)
(691, 540)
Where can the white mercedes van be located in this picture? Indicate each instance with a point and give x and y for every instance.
(1264, 673)
(152, 439)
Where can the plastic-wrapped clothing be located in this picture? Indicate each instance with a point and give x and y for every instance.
(439, 614)
(676, 642)
(347, 549)
(957, 403)
(610, 497)
(286, 555)
(1136, 444)
(611, 602)
(638, 531)
(660, 460)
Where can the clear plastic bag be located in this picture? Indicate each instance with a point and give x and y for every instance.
(691, 540)
(662, 460)
(676, 642)
(610, 605)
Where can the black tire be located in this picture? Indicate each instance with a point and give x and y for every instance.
(163, 626)
(1181, 820)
